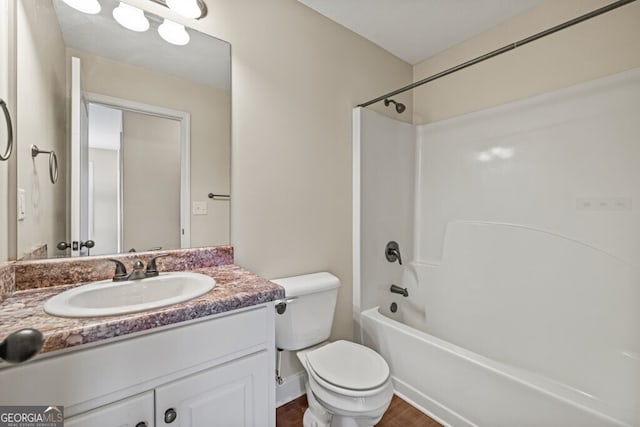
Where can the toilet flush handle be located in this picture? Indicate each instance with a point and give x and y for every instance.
(281, 305)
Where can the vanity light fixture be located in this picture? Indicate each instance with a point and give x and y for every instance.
(131, 17)
(192, 9)
(87, 6)
(185, 8)
(173, 33)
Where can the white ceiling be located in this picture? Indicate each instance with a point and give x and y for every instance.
(414, 30)
(205, 59)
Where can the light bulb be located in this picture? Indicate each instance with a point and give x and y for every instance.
(131, 17)
(87, 6)
(186, 8)
(173, 33)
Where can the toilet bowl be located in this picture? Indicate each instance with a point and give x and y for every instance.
(348, 384)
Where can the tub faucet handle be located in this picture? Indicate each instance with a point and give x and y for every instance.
(392, 252)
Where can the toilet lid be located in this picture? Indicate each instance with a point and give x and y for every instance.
(349, 365)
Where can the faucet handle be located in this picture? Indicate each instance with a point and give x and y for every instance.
(152, 268)
(392, 252)
(121, 271)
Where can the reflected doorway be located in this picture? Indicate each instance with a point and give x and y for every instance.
(135, 179)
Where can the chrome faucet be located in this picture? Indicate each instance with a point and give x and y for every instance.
(392, 252)
(138, 272)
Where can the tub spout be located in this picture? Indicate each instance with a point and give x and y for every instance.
(398, 290)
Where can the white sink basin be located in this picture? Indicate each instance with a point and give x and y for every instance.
(108, 298)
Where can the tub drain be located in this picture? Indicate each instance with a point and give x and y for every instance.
(394, 307)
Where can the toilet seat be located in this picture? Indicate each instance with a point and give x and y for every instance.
(348, 368)
(350, 403)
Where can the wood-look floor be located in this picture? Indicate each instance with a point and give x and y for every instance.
(399, 414)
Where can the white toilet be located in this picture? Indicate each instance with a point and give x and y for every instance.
(347, 384)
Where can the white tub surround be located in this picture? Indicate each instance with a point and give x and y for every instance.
(524, 273)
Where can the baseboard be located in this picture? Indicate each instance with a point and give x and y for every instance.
(291, 388)
(428, 406)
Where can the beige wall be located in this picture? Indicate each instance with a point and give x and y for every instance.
(296, 77)
(210, 117)
(41, 120)
(604, 45)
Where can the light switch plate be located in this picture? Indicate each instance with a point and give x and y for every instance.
(199, 208)
(21, 204)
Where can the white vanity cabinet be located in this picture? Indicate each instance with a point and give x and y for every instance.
(216, 371)
(227, 395)
(223, 396)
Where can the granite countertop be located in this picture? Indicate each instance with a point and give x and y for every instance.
(235, 288)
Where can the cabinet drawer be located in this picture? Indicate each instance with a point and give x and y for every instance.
(136, 411)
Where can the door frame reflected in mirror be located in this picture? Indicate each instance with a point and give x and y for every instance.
(184, 119)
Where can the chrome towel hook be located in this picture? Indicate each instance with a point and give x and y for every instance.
(53, 162)
(7, 118)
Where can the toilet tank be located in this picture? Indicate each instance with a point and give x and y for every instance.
(311, 303)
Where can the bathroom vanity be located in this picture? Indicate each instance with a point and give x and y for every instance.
(202, 362)
(218, 368)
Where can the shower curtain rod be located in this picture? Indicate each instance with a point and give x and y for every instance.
(503, 49)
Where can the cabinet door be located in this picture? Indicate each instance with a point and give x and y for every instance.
(136, 411)
(235, 394)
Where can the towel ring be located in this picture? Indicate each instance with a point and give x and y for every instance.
(7, 118)
(53, 162)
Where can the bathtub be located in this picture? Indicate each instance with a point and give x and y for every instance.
(524, 295)
(461, 388)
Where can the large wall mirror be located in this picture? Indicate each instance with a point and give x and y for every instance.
(140, 129)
